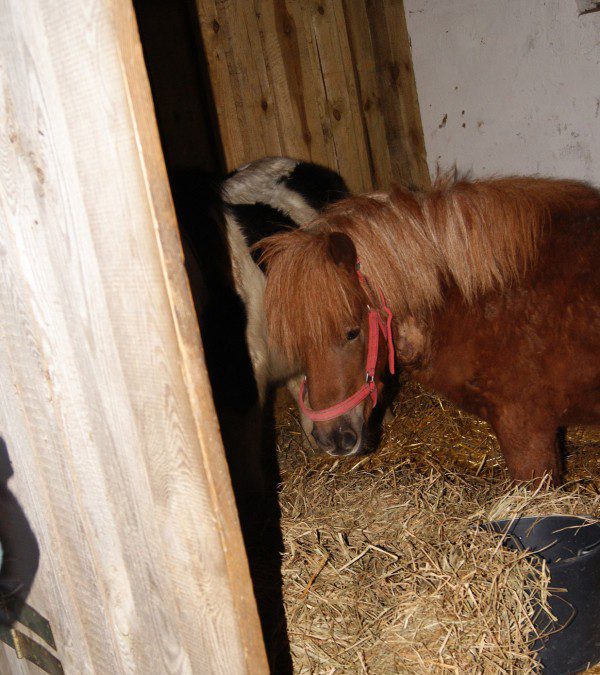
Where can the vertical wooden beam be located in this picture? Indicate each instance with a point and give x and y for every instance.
(369, 91)
(328, 81)
(397, 98)
(185, 323)
(342, 105)
(105, 406)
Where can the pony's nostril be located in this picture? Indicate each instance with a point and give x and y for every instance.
(346, 440)
(338, 442)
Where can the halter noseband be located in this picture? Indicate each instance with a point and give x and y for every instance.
(376, 323)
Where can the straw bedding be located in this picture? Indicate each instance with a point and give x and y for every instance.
(384, 570)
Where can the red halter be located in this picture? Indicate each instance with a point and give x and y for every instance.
(369, 388)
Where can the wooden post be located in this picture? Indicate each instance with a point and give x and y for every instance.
(329, 81)
(105, 406)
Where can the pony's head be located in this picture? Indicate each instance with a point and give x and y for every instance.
(321, 314)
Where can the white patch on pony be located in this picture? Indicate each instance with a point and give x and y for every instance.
(260, 182)
(250, 286)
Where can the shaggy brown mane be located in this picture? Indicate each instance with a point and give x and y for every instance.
(304, 275)
(475, 234)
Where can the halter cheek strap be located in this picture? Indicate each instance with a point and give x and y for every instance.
(376, 323)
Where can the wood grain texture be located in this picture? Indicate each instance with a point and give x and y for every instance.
(397, 98)
(104, 400)
(329, 81)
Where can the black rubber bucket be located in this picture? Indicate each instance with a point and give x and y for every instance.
(571, 547)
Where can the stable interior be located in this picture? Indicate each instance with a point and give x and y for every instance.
(369, 564)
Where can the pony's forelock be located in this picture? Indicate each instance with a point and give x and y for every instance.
(309, 300)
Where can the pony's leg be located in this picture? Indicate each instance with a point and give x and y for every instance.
(529, 443)
(293, 386)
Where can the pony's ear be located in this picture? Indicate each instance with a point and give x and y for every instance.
(341, 249)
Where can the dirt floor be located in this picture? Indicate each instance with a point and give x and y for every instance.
(385, 570)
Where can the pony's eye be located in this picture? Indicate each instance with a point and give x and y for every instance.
(352, 334)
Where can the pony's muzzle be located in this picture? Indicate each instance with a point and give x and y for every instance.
(340, 437)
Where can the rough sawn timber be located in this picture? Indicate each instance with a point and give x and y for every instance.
(105, 407)
(328, 81)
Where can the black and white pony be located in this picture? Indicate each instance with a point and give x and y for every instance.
(219, 226)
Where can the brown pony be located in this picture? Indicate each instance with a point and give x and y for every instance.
(494, 287)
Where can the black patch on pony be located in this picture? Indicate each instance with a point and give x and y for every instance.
(258, 221)
(318, 185)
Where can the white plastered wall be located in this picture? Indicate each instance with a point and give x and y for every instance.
(508, 86)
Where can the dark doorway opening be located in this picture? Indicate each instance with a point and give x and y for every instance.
(176, 65)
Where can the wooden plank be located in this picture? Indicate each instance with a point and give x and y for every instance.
(103, 391)
(252, 89)
(215, 38)
(334, 77)
(285, 45)
(314, 92)
(241, 84)
(190, 345)
(337, 71)
(283, 83)
(369, 91)
(398, 92)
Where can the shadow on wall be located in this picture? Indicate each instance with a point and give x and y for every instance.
(21, 553)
